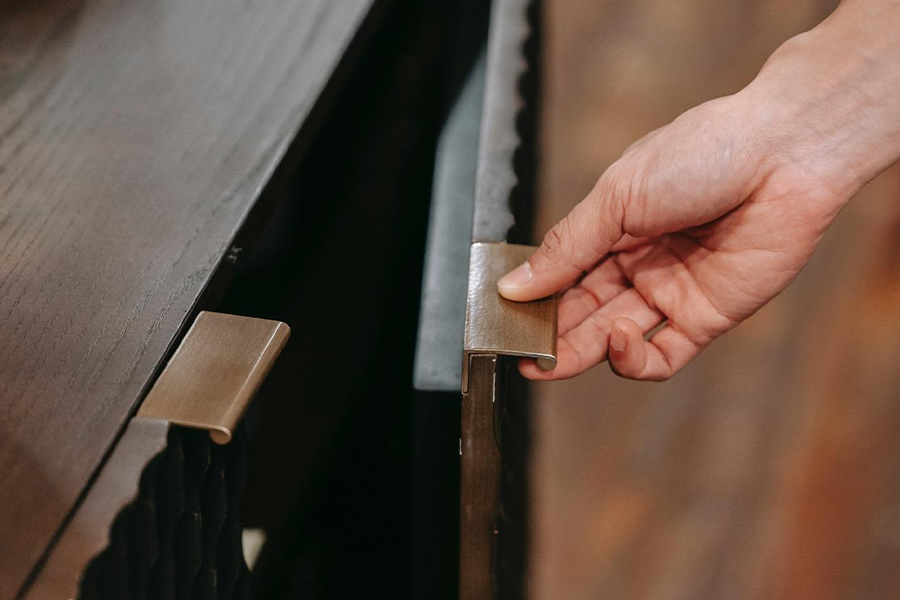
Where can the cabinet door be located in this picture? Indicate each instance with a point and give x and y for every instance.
(162, 520)
(480, 213)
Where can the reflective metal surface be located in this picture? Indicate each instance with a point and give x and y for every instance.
(215, 372)
(495, 325)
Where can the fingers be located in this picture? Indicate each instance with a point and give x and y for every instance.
(626, 345)
(629, 242)
(599, 287)
(585, 345)
(656, 360)
(571, 247)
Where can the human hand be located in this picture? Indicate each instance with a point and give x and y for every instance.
(703, 221)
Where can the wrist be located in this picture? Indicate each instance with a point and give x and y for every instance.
(828, 100)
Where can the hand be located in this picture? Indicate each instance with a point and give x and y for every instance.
(691, 227)
(702, 222)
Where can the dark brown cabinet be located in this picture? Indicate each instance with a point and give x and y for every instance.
(165, 162)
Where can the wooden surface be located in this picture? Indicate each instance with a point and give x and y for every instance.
(770, 468)
(479, 481)
(215, 372)
(88, 533)
(134, 138)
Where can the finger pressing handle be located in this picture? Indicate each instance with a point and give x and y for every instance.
(571, 247)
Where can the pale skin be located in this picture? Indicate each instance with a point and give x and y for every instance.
(702, 222)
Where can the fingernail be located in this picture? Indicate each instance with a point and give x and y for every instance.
(516, 278)
(617, 339)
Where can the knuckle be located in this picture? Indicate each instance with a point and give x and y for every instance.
(621, 370)
(601, 323)
(616, 192)
(616, 183)
(556, 241)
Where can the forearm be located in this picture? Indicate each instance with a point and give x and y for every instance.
(828, 100)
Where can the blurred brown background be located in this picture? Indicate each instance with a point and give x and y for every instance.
(770, 467)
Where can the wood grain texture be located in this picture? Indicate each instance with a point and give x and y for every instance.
(135, 138)
(769, 468)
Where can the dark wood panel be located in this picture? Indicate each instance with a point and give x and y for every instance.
(88, 533)
(479, 482)
(135, 137)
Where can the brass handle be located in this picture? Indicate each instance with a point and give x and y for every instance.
(215, 372)
(497, 326)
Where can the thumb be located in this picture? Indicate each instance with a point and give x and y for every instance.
(571, 247)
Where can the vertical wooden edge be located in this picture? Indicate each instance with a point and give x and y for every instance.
(479, 482)
(87, 532)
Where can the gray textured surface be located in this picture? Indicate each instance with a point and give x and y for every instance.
(442, 314)
(500, 139)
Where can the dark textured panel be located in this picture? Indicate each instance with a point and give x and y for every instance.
(514, 437)
(170, 502)
(181, 537)
(135, 139)
(189, 530)
(90, 529)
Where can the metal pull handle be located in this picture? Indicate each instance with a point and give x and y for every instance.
(495, 327)
(215, 372)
